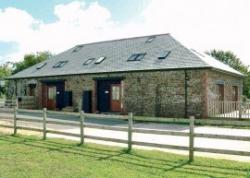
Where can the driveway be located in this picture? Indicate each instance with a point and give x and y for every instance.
(152, 138)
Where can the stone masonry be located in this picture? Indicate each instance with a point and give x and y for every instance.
(149, 93)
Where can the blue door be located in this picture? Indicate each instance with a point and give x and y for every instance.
(60, 95)
(104, 94)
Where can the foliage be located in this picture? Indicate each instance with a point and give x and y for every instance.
(30, 60)
(5, 71)
(232, 60)
(28, 156)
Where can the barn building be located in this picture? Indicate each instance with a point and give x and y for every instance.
(151, 75)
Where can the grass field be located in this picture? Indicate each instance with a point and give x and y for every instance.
(31, 157)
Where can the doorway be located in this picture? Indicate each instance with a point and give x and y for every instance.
(109, 95)
(53, 95)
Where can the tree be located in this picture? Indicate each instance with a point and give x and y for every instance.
(232, 60)
(30, 60)
(5, 71)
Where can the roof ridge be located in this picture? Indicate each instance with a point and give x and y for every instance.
(121, 39)
(204, 56)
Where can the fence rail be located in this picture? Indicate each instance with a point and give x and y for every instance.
(81, 124)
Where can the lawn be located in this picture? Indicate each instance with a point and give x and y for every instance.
(25, 156)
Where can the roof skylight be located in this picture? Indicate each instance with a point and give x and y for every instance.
(164, 55)
(41, 65)
(77, 48)
(136, 57)
(150, 39)
(88, 61)
(60, 64)
(100, 59)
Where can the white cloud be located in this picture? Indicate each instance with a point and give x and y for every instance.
(204, 24)
(199, 24)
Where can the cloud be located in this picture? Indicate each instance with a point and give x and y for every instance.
(77, 23)
(202, 25)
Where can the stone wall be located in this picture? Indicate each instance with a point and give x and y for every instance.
(154, 93)
(229, 81)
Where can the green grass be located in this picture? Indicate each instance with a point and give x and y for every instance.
(28, 157)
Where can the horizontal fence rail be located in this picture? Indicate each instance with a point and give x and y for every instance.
(81, 124)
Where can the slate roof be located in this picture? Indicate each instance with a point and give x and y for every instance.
(118, 51)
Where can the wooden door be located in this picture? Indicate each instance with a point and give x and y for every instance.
(115, 97)
(235, 93)
(44, 95)
(221, 98)
(51, 98)
(221, 92)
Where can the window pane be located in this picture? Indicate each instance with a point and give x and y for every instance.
(52, 93)
(164, 54)
(60, 64)
(100, 59)
(88, 61)
(115, 93)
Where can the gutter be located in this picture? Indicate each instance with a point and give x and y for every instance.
(186, 78)
(110, 72)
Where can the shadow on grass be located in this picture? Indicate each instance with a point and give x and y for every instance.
(147, 161)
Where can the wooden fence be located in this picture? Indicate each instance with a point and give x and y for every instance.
(229, 109)
(24, 102)
(129, 129)
(27, 102)
(7, 103)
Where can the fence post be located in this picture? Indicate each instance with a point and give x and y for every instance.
(80, 105)
(15, 120)
(191, 138)
(44, 123)
(82, 117)
(16, 103)
(130, 125)
(240, 109)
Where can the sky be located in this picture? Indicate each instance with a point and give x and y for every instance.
(55, 25)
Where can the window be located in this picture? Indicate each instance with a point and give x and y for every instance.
(136, 57)
(60, 64)
(31, 89)
(77, 48)
(150, 39)
(100, 59)
(235, 93)
(51, 92)
(116, 93)
(41, 65)
(220, 92)
(88, 61)
(164, 55)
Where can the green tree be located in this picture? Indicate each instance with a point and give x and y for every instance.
(30, 60)
(5, 71)
(232, 60)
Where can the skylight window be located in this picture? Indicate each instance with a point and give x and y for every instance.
(77, 48)
(150, 39)
(136, 57)
(41, 65)
(88, 61)
(100, 59)
(164, 54)
(60, 64)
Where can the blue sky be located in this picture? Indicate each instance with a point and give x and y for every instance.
(29, 26)
(122, 11)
